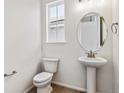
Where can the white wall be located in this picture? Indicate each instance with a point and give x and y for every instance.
(116, 47)
(22, 43)
(70, 71)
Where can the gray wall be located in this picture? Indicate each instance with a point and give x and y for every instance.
(70, 71)
(22, 43)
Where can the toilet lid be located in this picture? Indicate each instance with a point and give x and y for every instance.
(41, 77)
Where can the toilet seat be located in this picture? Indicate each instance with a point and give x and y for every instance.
(43, 84)
(42, 77)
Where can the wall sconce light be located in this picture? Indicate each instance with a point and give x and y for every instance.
(80, 0)
(83, 0)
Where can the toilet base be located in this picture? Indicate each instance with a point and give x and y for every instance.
(46, 89)
(50, 89)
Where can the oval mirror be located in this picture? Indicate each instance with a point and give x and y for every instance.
(92, 32)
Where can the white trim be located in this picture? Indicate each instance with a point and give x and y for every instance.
(57, 42)
(47, 21)
(61, 84)
(28, 89)
(69, 86)
(47, 6)
(53, 2)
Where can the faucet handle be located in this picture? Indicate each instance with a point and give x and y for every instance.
(88, 54)
(91, 54)
(94, 54)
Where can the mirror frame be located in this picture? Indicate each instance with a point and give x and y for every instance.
(78, 31)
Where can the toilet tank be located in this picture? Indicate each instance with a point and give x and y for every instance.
(50, 64)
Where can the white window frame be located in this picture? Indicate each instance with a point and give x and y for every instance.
(47, 26)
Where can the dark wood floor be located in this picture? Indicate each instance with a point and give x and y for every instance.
(58, 89)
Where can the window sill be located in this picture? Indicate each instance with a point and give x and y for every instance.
(56, 42)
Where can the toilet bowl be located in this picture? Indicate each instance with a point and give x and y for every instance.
(43, 80)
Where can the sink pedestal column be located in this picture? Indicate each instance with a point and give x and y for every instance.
(91, 80)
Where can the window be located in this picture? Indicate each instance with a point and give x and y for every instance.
(55, 22)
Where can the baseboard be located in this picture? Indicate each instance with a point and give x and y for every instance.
(69, 86)
(28, 89)
(61, 84)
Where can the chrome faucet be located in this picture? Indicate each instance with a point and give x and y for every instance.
(91, 54)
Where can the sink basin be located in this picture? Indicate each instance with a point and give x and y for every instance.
(92, 62)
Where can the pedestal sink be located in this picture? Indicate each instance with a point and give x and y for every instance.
(92, 64)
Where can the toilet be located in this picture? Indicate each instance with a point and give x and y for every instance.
(43, 80)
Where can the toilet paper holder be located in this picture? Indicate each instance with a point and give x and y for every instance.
(114, 27)
(11, 74)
